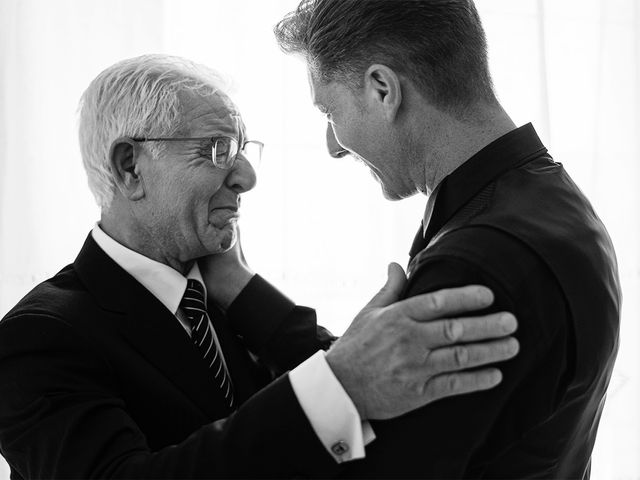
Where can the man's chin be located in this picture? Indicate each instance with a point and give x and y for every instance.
(391, 195)
(387, 192)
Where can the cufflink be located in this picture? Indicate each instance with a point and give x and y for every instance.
(340, 448)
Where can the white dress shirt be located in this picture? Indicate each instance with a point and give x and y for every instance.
(329, 409)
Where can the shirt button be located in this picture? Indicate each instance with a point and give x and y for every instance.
(340, 448)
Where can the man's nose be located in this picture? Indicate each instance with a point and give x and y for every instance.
(335, 149)
(242, 176)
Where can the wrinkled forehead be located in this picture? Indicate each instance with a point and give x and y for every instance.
(210, 115)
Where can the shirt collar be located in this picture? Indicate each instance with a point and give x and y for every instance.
(428, 211)
(165, 283)
(509, 151)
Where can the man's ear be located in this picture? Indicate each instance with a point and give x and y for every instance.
(383, 88)
(124, 162)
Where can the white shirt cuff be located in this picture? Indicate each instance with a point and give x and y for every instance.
(332, 414)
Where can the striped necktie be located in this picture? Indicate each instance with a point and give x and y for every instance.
(203, 337)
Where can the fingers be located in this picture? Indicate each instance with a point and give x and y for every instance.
(462, 357)
(450, 384)
(445, 303)
(391, 290)
(468, 329)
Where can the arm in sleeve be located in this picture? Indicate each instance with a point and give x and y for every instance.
(459, 436)
(330, 411)
(61, 416)
(286, 335)
(271, 326)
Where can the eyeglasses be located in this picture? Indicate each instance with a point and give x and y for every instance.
(224, 149)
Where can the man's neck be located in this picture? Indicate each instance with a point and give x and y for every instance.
(141, 242)
(453, 142)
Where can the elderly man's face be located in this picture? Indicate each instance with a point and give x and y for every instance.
(192, 206)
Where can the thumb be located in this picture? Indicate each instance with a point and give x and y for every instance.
(238, 246)
(391, 290)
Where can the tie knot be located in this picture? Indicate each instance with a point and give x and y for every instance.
(193, 295)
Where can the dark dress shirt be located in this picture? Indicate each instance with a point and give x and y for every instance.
(511, 218)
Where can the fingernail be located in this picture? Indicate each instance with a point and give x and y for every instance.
(509, 323)
(514, 346)
(485, 296)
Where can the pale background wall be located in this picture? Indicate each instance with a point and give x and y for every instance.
(318, 227)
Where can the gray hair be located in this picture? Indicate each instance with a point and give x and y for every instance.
(439, 45)
(137, 97)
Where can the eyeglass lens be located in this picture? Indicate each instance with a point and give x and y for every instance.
(225, 151)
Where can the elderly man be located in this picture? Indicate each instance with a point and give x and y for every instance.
(124, 365)
(406, 88)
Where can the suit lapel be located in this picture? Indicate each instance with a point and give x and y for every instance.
(246, 375)
(149, 327)
(158, 336)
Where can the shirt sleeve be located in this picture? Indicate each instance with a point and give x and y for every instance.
(329, 409)
(281, 333)
(286, 336)
(465, 436)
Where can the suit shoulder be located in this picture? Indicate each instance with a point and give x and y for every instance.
(51, 318)
(58, 296)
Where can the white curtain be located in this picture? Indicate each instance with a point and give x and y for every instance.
(315, 226)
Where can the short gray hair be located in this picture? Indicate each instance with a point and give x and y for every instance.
(137, 97)
(439, 45)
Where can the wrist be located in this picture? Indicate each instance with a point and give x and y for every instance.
(223, 289)
(342, 370)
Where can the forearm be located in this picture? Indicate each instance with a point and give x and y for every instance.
(280, 332)
(62, 416)
(268, 437)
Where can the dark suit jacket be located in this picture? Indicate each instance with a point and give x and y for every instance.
(98, 379)
(512, 219)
